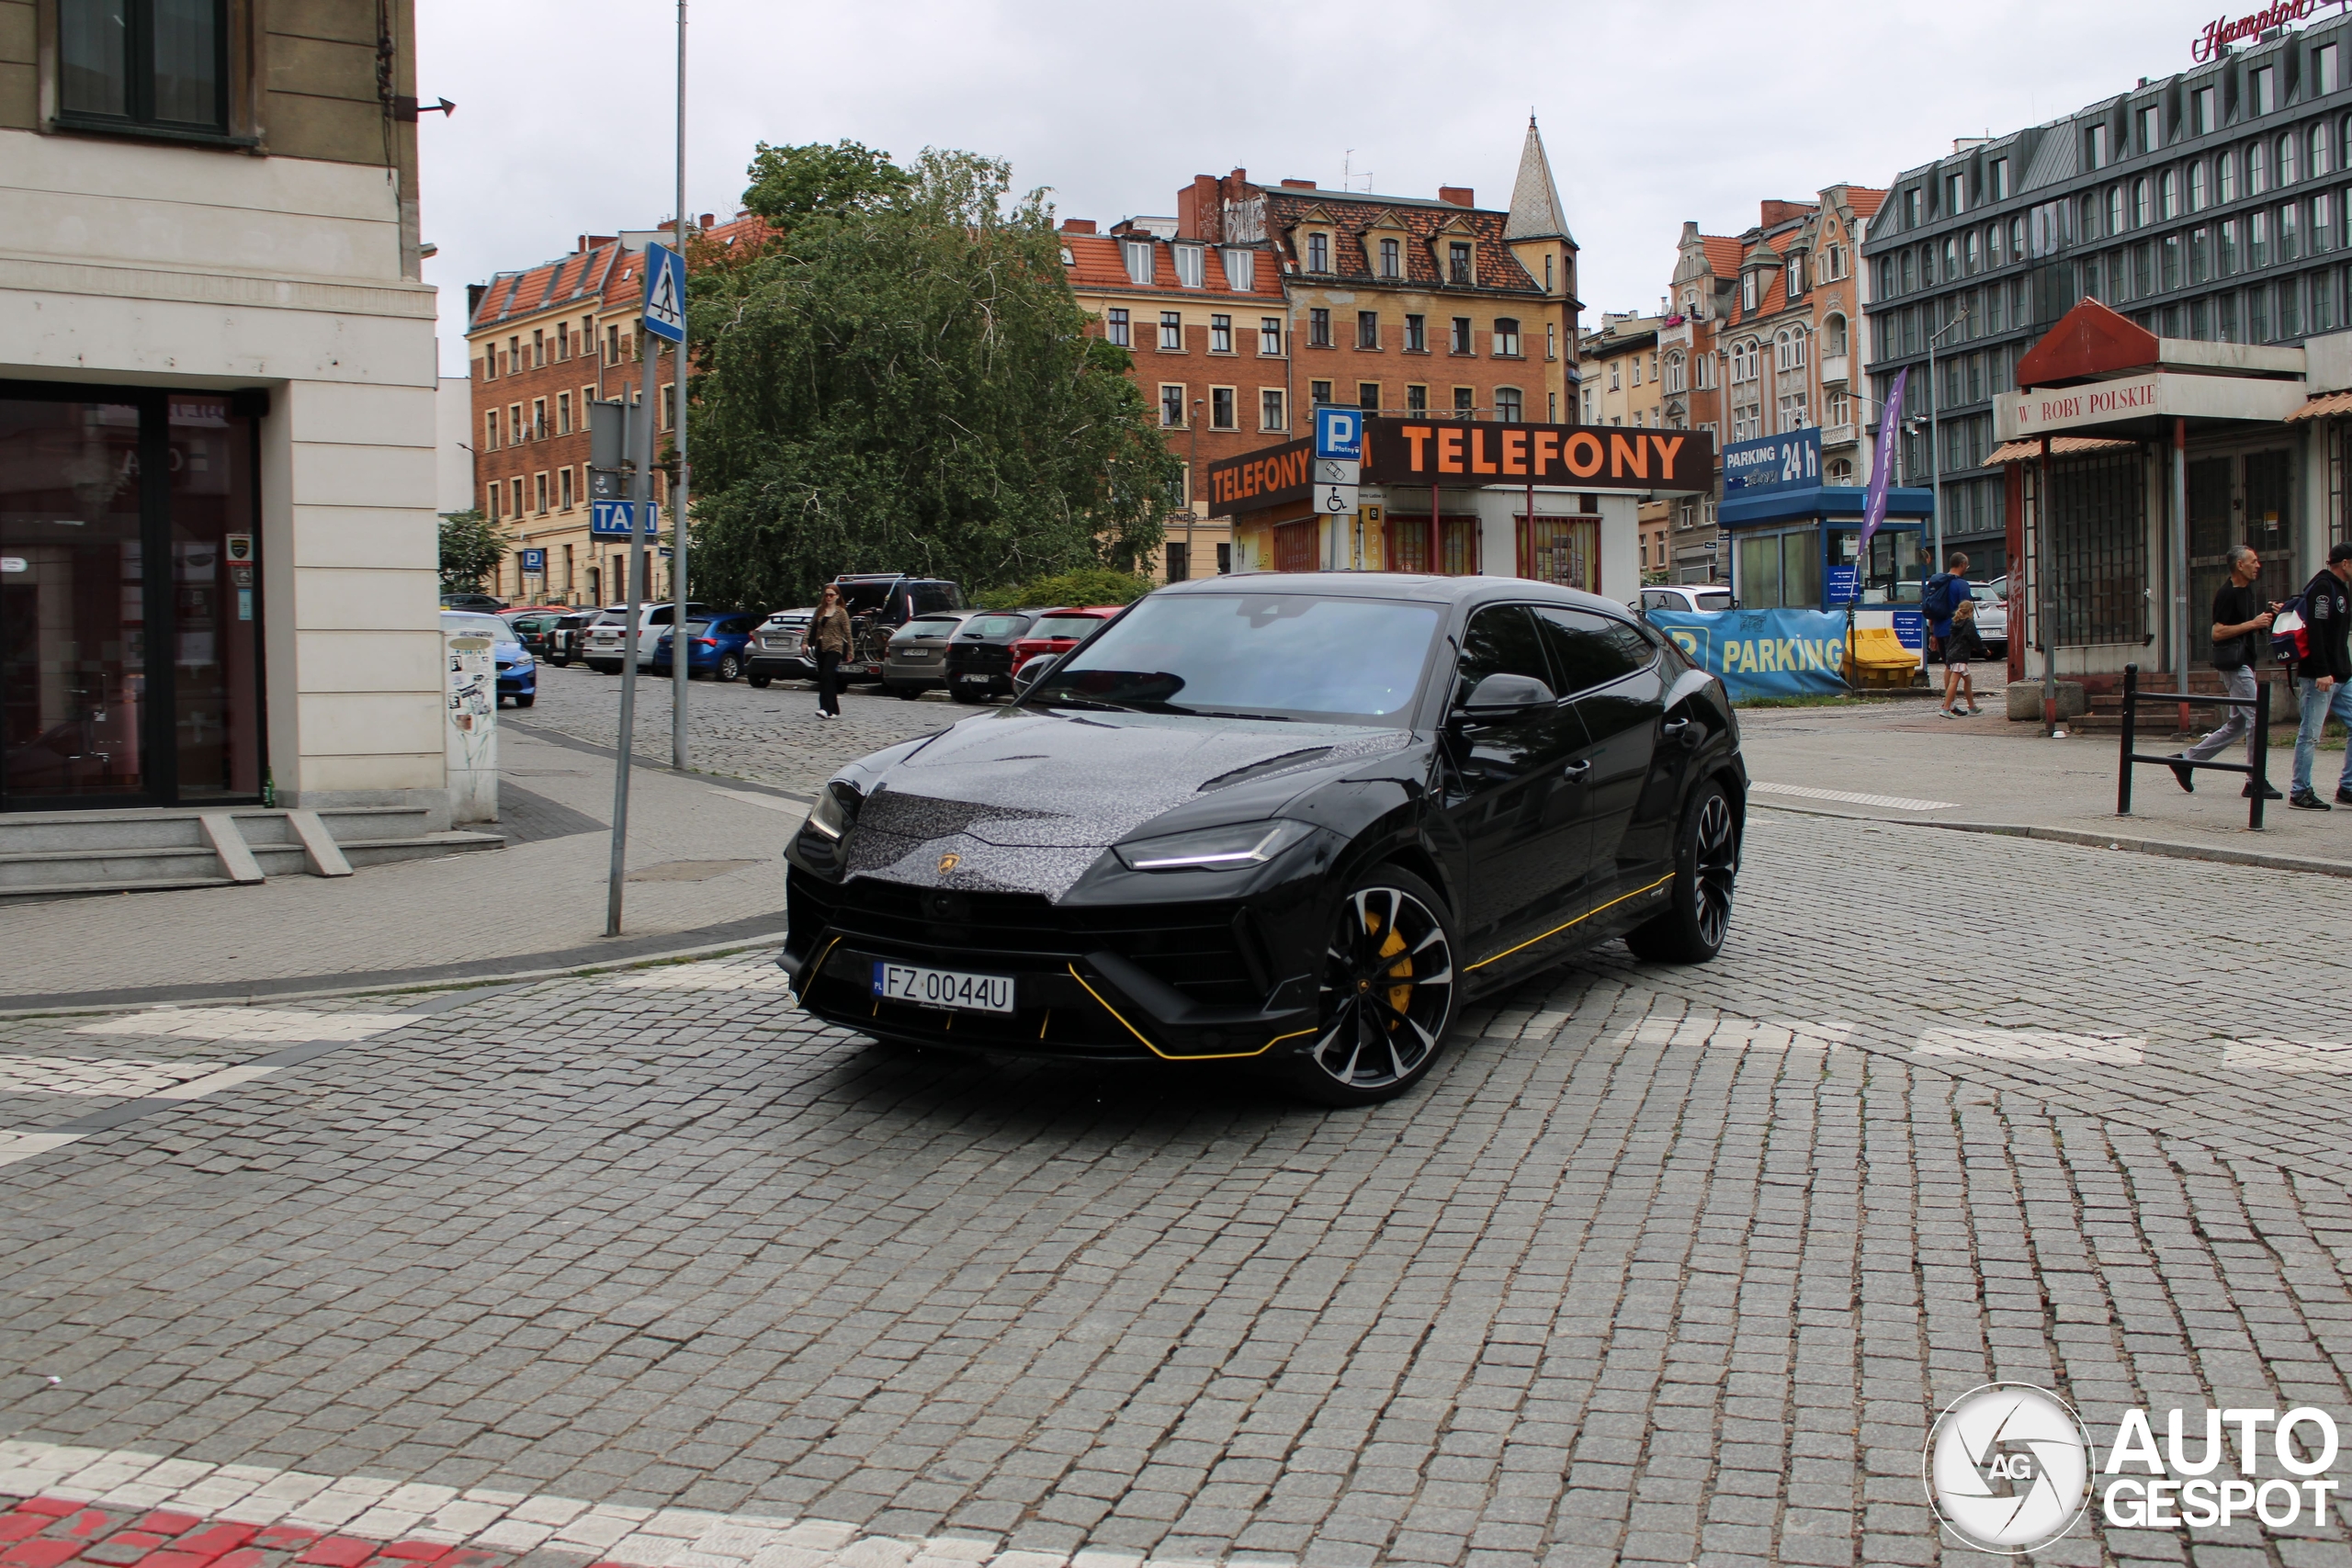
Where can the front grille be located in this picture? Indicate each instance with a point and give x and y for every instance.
(1190, 946)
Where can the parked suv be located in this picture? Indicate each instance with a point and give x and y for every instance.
(917, 657)
(979, 661)
(1699, 598)
(603, 651)
(774, 653)
(878, 605)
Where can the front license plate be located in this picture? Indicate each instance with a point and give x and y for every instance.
(943, 987)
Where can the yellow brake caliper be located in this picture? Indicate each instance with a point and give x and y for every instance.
(1400, 996)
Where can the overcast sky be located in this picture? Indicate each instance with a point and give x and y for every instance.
(1653, 113)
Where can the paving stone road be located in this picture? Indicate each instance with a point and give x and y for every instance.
(1662, 1265)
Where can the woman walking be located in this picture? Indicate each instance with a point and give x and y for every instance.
(828, 638)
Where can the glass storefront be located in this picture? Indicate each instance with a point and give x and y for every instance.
(129, 598)
(1784, 568)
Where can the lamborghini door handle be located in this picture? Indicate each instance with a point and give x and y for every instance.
(1574, 771)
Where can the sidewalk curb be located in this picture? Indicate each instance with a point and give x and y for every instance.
(448, 976)
(2171, 849)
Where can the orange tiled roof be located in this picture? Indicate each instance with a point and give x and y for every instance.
(2323, 405)
(607, 275)
(1098, 265)
(1866, 203)
(2060, 447)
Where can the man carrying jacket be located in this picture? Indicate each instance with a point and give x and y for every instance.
(2321, 675)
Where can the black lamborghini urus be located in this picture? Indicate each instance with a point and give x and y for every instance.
(1295, 820)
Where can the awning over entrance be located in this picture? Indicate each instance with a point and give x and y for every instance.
(2096, 370)
(2060, 447)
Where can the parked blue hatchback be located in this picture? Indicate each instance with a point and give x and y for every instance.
(717, 646)
(518, 673)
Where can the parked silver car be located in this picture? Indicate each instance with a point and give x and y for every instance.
(604, 652)
(916, 657)
(1697, 598)
(775, 653)
(1993, 615)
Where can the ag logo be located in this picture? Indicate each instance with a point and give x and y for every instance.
(2007, 1468)
(949, 862)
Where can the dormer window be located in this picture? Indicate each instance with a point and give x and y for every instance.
(1792, 276)
(1458, 268)
(1240, 270)
(1191, 266)
(1392, 259)
(1137, 255)
(1318, 253)
(1747, 290)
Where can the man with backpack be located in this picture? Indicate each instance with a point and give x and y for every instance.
(2240, 623)
(2322, 673)
(1936, 602)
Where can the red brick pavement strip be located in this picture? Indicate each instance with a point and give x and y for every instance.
(47, 1532)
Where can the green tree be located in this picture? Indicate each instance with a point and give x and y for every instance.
(1088, 586)
(471, 548)
(901, 380)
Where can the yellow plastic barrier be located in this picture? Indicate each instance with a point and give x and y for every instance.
(1878, 657)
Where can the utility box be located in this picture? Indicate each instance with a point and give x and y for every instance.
(469, 729)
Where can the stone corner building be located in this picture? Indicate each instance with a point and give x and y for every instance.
(218, 556)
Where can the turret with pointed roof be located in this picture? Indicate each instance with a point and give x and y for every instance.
(1535, 210)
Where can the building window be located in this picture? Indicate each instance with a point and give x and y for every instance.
(1115, 328)
(1172, 330)
(1191, 266)
(1507, 404)
(1747, 286)
(1269, 337)
(163, 63)
(490, 430)
(539, 351)
(2168, 194)
(1368, 396)
(1911, 207)
(1615, 384)
(1507, 336)
(2151, 128)
(539, 492)
(1171, 406)
(1318, 328)
(2226, 178)
(1548, 273)
(2143, 211)
(1367, 329)
(1137, 255)
(1675, 372)
(1391, 259)
(1955, 195)
(1417, 334)
(2198, 194)
(566, 487)
(563, 413)
(2098, 147)
(1318, 253)
(1461, 343)
(1270, 409)
(2262, 89)
(2323, 68)
(2202, 117)
(1466, 403)
(1997, 179)
(1839, 409)
(1457, 262)
(517, 431)
(1550, 340)
(1240, 269)
(2287, 160)
(2257, 169)
(517, 483)
(1221, 414)
(2318, 146)
(497, 493)
(1320, 392)
(1417, 400)
(1552, 405)
(1220, 334)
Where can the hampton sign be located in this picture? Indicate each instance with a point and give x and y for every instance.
(2224, 31)
(2152, 394)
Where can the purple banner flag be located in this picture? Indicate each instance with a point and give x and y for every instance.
(1889, 425)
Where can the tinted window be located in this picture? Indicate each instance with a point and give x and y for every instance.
(1586, 649)
(1065, 625)
(1714, 601)
(933, 626)
(1283, 655)
(1500, 642)
(934, 596)
(996, 625)
(1652, 600)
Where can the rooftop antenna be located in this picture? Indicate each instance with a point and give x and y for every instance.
(1347, 162)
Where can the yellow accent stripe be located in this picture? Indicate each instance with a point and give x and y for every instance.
(1555, 931)
(1220, 1056)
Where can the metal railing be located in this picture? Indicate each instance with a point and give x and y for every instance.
(2258, 771)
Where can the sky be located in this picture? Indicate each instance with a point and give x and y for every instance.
(1654, 114)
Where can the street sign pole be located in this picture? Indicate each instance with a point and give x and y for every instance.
(680, 657)
(641, 515)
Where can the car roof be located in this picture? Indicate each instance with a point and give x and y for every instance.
(1398, 586)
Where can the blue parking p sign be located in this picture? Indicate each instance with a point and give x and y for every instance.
(1339, 436)
(534, 560)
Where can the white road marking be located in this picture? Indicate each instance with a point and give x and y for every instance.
(374, 1508)
(269, 1026)
(771, 803)
(107, 1077)
(2289, 1056)
(1852, 797)
(2033, 1045)
(15, 1146)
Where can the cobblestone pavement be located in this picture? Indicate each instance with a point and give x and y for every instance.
(1662, 1265)
(771, 737)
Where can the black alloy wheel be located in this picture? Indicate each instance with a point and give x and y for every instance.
(730, 667)
(1387, 991)
(1706, 864)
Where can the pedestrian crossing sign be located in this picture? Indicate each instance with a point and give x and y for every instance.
(665, 293)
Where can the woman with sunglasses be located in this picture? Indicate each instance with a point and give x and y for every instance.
(828, 638)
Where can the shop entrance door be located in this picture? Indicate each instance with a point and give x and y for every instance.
(129, 594)
(2238, 499)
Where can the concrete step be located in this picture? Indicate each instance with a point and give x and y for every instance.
(45, 854)
(78, 889)
(423, 846)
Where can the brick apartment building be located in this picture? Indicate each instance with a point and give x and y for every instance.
(542, 344)
(1397, 305)
(1772, 315)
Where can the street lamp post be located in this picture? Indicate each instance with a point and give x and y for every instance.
(680, 656)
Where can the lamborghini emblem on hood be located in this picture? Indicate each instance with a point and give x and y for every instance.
(949, 862)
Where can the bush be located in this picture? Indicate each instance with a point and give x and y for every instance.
(1090, 585)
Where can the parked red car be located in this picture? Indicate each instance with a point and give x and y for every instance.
(1056, 632)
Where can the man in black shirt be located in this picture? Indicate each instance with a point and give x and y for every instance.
(2322, 675)
(2241, 625)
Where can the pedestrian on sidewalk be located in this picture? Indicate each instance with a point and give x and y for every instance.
(2320, 676)
(1961, 645)
(828, 639)
(2239, 620)
(1944, 594)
